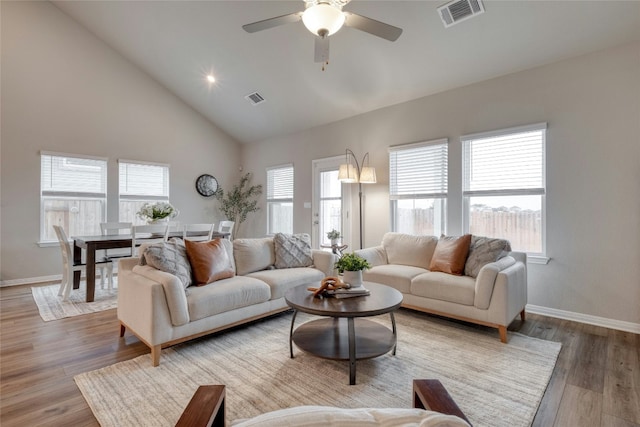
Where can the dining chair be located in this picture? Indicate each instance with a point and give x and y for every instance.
(108, 228)
(197, 231)
(226, 227)
(68, 266)
(151, 233)
(174, 229)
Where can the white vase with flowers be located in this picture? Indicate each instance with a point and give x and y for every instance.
(156, 212)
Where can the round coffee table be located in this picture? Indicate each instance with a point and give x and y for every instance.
(344, 334)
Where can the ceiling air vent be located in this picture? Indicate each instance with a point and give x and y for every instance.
(254, 98)
(459, 10)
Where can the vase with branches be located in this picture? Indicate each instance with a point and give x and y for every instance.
(240, 201)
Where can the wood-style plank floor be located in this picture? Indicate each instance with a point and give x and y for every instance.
(596, 381)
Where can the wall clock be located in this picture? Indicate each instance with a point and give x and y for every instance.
(206, 185)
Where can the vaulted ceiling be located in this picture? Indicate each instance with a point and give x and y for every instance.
(179, 42)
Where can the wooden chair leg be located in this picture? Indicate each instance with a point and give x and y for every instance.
(122, 330)
(522, 315)
(503, 333)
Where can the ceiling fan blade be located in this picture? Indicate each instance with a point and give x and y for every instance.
(265, 24)
(322, 49)
(372, 26)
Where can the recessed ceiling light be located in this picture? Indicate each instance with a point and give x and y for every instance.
(211, 79)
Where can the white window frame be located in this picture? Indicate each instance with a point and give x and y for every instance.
(125, 195)
(466, 140)
(46, 193)
(278, 197)
(441, 193)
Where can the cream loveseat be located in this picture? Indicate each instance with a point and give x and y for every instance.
(494, 297)
(155, 306)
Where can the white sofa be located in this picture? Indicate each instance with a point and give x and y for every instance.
(493, 298)
(155, 307)
(433, 407)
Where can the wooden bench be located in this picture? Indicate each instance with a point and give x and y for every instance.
(206, 408)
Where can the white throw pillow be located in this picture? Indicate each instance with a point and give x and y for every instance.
(292, 250)
(482, 251)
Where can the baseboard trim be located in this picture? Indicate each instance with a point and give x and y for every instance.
(30, 280)
(619, 325)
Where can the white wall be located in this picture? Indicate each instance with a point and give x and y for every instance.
(592, 106)
(64, 90)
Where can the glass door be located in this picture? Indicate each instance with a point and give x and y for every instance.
(330, 202)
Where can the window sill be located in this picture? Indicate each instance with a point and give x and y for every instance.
(47, 244)
(542, 260)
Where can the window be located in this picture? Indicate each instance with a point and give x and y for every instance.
(280, 199)
(418, 187)
(141, 183)
(504, 185)
(330, 200)
(73, 194)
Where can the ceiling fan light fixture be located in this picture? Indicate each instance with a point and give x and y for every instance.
(323, 18)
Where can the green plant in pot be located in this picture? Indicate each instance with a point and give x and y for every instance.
(350, 266)
(240, 201)
(333, 235)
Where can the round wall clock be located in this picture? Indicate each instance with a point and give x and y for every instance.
(206, 185)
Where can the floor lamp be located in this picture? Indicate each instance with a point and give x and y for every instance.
(362, 173)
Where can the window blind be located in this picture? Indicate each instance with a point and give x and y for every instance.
(280, 183)
(418, 170)
(143, 180)
(505, 162)
(69, 176)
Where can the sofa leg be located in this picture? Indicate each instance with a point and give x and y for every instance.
(155, 354)
(522, 315)
(122, 329)
(503, 333)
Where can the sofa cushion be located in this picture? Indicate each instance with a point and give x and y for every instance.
(451, 254)
(292, 250)
(209, 261)
(397, 276)
(327, 416)
(406, 249)
(226, 295)
(482, 251)
(445, 287)
(253, 254)
(281, 280)
(170, 257)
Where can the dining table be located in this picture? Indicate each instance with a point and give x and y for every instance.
(93, 243)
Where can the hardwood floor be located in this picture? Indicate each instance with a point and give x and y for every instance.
(596, 381)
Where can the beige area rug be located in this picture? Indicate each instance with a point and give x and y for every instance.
(52, 307)
(495, 384)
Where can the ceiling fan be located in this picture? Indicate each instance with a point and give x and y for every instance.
(324, 18)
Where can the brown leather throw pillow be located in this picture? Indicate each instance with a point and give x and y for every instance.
(209, 261)
(451, 254)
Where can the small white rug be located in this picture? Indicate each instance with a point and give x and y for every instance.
(52, 307)
(495, 384)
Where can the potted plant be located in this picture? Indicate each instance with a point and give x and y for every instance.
(333, 235)
(351, 266)
(240, 201)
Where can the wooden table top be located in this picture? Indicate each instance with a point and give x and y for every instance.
(383, 299)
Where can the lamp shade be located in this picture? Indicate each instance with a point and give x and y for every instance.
(368, 175)
(347, 173)
(323, 17)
